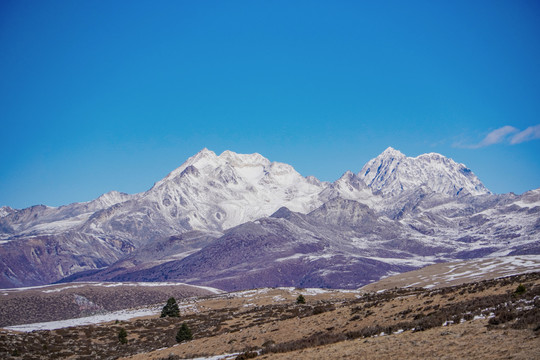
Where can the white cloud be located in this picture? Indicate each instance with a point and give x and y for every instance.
(496, 136)
(530, 133)
(506, 134)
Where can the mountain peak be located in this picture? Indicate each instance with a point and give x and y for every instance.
(206, 151)
(5, 210)
(111, 198)
(392, 173)
(218, 192)
(236, 159)
(391, 152)
(203, 154)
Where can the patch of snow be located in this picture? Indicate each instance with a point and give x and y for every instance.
(420, 261)
(55, 227)
(473, 270)
(154, 284)
(292, 257)
(524, 204)
(88, 320)
(314, 291)
(246, 293)
(218, 357)
(63, 288)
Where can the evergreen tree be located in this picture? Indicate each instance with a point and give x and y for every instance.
(300, 299)
(171, 309)
(520, 289)
(184, 333)
(122, 336)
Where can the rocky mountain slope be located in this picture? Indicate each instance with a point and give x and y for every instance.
(239, 221)
(342, 244)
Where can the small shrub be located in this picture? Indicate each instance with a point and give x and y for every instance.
(300, 299)
(520, 289)
(122, 336)
(184, 333)
(170, 309)
(16, 352)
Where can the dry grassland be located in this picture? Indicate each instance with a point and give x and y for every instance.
(485, 319)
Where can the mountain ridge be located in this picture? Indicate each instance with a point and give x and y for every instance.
(427, 198)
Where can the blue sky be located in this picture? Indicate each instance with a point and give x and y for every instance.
(112, 95)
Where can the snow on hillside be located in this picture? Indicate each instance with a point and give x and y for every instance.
(189, 304)
(88, 320)
(101, 298)
(74, 285)
(455, 273)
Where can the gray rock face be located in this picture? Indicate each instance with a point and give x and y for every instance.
(238, 221)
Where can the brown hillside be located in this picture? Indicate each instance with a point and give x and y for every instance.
(482, 319)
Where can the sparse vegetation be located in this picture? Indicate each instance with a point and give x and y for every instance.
(16, 353)
(38, 306)
(249, 325)
(300, 299)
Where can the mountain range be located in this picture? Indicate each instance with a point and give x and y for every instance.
(238, 221)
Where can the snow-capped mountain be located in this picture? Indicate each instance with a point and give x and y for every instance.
(392, 173)
(218, 192)
(210, 192)
(207, 192)
(394, 201)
